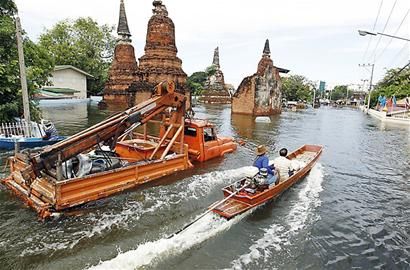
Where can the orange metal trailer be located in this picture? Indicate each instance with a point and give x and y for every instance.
(110, 157)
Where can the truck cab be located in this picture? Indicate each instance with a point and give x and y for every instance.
(203, 141)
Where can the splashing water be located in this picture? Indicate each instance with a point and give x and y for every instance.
(156, 199)
(148, 253)
(207, 227)
(210, 225)
(277, 236)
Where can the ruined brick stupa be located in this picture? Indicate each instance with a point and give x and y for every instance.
(123, 71)
(261, 93)
(159, 63)
(215, 90)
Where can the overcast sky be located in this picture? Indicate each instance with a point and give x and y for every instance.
(317, 39)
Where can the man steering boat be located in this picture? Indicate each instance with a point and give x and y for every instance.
(262, 163)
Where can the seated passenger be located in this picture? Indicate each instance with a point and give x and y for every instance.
(284, 165)
(262, 161)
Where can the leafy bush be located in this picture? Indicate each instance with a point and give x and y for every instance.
(38, 62)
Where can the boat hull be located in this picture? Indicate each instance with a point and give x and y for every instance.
(47, 196)
(243, 201)
(401, 118)
(9, 143)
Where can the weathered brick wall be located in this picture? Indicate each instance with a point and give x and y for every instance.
(263, 64)
(128, 83)
(260, 94)
(123, 70)
(268, 93)
(160, 61)
(121, 75)
(118, 101)
(277, 93)
(215, 90)
(215, 97)
(142, 96)
(243, 101)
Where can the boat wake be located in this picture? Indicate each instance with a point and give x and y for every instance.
(207, 227)
(277, 236)
(151, 252)
(101, 221)
(210, 225)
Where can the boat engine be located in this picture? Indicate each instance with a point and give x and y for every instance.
(95, 162)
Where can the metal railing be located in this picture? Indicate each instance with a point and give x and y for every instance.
(21, 129)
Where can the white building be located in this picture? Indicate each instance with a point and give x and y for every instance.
(67, 82)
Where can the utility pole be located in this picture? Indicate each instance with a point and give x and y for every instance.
(23, 79)
(347, 93)
(371, 84)
(314, 97)
(314, 84)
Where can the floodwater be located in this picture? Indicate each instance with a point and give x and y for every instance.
(351, 211)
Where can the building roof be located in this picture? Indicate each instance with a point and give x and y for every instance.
(283, 70)
(63, 67)
(44, 94)
(57, 90)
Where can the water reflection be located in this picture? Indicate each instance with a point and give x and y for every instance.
(72, 118)
(244, 125)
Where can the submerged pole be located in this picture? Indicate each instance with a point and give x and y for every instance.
(23, 78)
(59, 168)
(16, 147)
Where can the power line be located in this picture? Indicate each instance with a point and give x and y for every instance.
(374, 26)
(384, 29)
(398, 72)
(397, 30)
(405, 47)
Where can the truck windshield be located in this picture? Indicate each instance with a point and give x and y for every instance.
(209, 134)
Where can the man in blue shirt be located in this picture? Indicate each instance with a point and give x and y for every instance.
(262, 161)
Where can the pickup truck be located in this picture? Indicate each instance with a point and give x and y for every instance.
(203, 142)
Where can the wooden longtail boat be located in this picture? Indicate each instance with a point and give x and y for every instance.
(244, 199)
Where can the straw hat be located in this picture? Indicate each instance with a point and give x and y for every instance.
(260, 150)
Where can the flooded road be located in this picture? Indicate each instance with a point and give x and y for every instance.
(352, 210)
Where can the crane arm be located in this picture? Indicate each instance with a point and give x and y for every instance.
(109, 129)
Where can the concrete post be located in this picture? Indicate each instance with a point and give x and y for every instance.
(23, 74)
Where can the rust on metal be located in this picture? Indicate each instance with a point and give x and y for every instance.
(111, 157)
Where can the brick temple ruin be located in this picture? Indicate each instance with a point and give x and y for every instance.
(215, 90)
(261, 93)
(129, 83)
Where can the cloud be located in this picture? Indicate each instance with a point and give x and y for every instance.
(306, 36)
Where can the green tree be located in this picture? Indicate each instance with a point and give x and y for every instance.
(211, 70)
(339, 92)
(84, 44)
(39, 65)
(394, 83)
(296, 87)
(196, 82)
